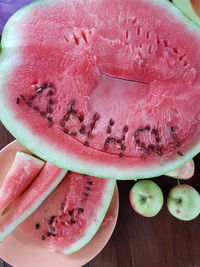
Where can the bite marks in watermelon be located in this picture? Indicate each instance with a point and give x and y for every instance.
(116, 95)
(31, 199)
(22, 172)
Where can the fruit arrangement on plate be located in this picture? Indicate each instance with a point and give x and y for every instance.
(96, 91)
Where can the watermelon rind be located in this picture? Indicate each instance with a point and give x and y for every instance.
(10, 58)
(186, 7)
(96, 223)
(10, 227)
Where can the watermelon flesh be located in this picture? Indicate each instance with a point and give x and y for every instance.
(31, 199)
(71, 215)
(110, 96)
(22, 172)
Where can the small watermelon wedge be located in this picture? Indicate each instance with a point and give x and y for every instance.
(22, 172)
(31, 199)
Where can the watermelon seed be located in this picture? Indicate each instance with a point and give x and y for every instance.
(157, 139)
(51, 102)
(70, 212)
(52, 218)
(108, 130)
(148, 128)
(147, 35)
(44, 86)
(49, 222)
(123, 147)
(50, 93)
(52, 229)
(123, 137)
(86, 143)
(121, 155)
(73, 133)
(48, 234)
(32, 96)
(49, 110)
(105, 147)
(42, 237)
(159, 150)
(96, 117)
(81, 118)
(37, 226)
(42, 113)
(65, 131)
(125, 129)
(35, 108)
(82, 129)
(90, 183)
(86, 194)
(177, 143)
(80, 209)
(28, 103)
(180, 153)
(111, 122)
(165, 42)
(62, 205)
(62, 124)
(17, 100)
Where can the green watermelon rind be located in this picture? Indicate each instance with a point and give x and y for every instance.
(39, 201)
(188, 10)
(95, 225)
(10, 59)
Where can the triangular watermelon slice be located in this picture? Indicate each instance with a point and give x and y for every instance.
(22, 172)
(31, 199)
(104, 87)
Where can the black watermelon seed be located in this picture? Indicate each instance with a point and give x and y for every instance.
(121, 155)
(154, 131)
(180, 153)
(123, 147)
(86, 194)
(37, 226)
(42, 113)
(49, 85)
(48, 234)
(177, 143)
(109, 130)
(137, 140)
(35, 108)
(90, 183)
(53, 235)
(125, 129)
(123, 138)
(80, 209)
(96, 116)
(51, 102)
(49, 222)
(86, 143)
(157, 139)
(44, 86)
(28, 103)
(81, 118)
(42, 237)
(17, 100)
(52, 229)
(105, 147)
(23, 97)
(70, 212)
(52, 218)
(111, 122)
(50, 93)
(82, 129)
(73, 133)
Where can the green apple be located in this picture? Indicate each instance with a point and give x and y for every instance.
(183, 202)
(146, 198)
(184, 172)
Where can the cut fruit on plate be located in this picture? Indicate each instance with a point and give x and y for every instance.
(184, 172)
(36, 249)
(99, 101)
(23, 171)
(191, 8)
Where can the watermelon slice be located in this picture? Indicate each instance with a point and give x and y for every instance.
(31, 199)
(71, 215)
(22, 172)
(114, 96)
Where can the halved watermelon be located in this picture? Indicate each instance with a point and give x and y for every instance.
(22, 172)
(31, 199)
(109, 87)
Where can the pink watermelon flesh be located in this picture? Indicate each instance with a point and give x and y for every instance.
(71, 215)
(31, 199)
(116, 95)
(22, 172)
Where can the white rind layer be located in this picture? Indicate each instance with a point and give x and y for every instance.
(10, 58)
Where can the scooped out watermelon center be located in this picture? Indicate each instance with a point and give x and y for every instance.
(116, 85)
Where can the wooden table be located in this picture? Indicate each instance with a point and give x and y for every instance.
(162, 241)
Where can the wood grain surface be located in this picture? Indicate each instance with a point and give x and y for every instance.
(162, 241)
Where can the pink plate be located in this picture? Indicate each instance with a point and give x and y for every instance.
(21, 254)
